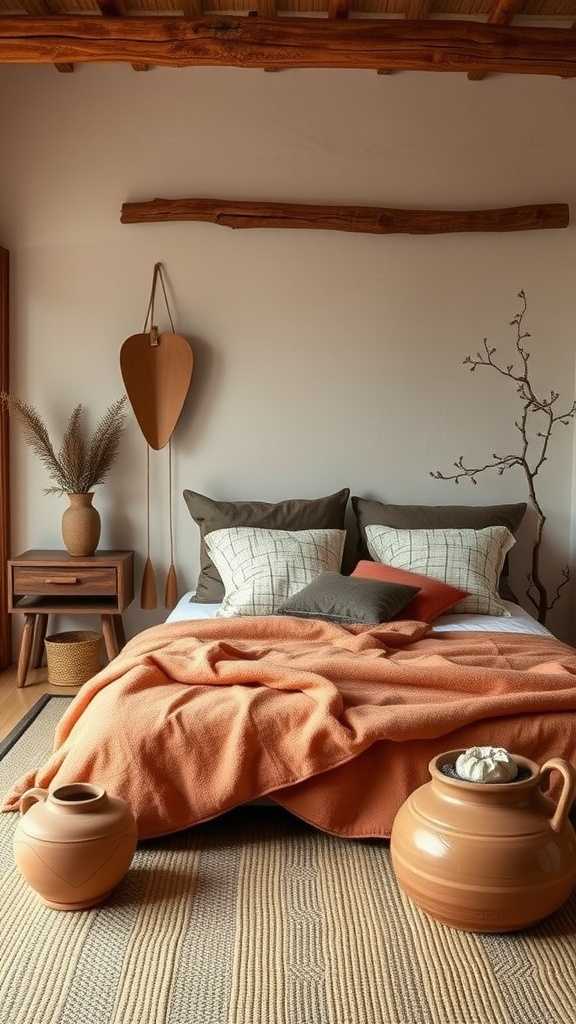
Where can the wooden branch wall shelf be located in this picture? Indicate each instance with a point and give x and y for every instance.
(365, 219)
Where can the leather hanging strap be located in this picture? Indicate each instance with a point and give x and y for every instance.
(158, 274)
(148, 598)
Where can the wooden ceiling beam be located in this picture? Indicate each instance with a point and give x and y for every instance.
(338, 9)
(39, 9)
(111, 8)
(573, 74)
(364, 219)
(117, 9)
(191, 8)
(504, 10)
(227, 41)
(501, 14)
(418, 9)
(266, 8)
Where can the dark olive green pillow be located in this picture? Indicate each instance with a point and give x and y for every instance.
(349, 600)
(369, 512)
(293, 514)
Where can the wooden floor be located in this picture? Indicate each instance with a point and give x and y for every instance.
(14, 703)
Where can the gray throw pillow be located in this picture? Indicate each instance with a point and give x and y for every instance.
(369, 512)
(349, 600)
(292, 514)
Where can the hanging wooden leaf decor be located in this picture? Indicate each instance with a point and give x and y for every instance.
(157, 370)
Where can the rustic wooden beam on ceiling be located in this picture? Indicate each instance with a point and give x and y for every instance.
(39, 9)
(365, 219)
(338, 9)
(191, 8)
(501, 14)
(573, 73)
(416, 9)
(117, 9)
(266, 8)
(227, 41)
(112, 8)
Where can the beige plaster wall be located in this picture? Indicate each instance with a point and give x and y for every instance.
(323, 359)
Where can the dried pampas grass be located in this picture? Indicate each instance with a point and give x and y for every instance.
(82, 462)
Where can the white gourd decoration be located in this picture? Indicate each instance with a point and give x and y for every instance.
(486, 764)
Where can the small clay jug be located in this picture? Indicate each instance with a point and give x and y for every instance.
(74, 845)
(487, 857)
(81, 525)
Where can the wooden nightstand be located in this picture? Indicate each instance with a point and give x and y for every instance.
(43, 583)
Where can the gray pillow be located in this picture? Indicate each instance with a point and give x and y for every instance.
(369, 512)
(349, 600)
(292, 514)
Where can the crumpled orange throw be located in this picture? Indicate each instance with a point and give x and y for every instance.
(337, 724)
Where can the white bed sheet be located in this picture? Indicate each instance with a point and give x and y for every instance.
(519, 620)
(188, 609)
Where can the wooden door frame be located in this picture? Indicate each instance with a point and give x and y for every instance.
(5, 632)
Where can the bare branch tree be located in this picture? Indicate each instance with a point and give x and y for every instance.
(536, 410)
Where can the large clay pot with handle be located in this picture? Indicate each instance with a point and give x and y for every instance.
(73, 845)
(487, 857)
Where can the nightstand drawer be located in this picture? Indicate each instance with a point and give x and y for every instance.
(65, 581)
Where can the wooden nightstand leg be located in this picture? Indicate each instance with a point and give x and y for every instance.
(120, 634)
(38, 642)
(25, 649)
(109, 633)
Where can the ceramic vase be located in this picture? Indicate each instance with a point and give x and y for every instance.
(73, 845)
(487, 857)
(81, 525)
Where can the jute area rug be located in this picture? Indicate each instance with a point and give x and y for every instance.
(257, 919)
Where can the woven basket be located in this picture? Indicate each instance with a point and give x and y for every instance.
(73, 657)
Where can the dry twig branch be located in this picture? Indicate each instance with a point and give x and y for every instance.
(533, 445)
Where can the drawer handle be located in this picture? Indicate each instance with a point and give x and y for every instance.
(62, 579)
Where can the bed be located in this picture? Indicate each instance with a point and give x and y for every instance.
(324, 690)
(336, 724)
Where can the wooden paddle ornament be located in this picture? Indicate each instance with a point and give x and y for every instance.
(157, 370)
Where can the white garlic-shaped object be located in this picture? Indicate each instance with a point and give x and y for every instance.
(486, 764)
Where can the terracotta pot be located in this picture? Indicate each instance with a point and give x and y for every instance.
(81, 525)
(486, 857)
(73, 845)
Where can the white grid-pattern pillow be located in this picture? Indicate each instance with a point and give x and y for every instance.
(261, 569)
(469, 559)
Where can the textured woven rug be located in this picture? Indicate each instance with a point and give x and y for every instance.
(256, 919)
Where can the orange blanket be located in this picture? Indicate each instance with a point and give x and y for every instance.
(338, 724)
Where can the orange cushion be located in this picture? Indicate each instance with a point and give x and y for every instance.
(434, 599)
